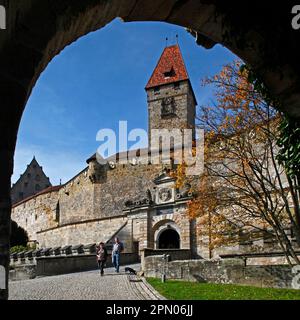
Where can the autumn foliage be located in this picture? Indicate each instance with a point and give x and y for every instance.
(244, 194)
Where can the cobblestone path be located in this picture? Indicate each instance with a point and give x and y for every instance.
(84, 286)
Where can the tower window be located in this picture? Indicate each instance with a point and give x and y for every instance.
(37, 187)
(57, 212)
(177, 85)
(157, 90)
(168, 107)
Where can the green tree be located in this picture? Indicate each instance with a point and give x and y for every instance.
(19, 236)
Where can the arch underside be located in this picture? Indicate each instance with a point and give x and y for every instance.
(169, 239)
(258, 33)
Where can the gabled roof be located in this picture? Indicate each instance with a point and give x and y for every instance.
(170, 68)
(33, 163)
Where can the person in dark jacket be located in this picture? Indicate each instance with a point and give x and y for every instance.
(101, 257)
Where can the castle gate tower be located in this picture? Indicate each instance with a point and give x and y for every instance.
(170, 96)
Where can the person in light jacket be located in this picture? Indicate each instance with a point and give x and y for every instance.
(116, 253)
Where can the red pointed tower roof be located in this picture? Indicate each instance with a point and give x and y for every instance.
(170, 68)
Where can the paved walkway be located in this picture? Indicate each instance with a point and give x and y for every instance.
(84, 286)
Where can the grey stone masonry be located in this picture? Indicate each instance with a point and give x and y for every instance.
(220, 271)
(182, 97)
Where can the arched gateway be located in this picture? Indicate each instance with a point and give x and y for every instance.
(169, 239)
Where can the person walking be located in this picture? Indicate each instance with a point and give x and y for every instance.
(116, 253)
(101, 257)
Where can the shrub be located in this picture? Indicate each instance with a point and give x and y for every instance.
(18, 235)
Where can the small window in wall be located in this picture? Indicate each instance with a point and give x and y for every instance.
(26, 184)
(157, 90)
(57, 212)
(21, 195)
(28, 175)
(37, 187)
(177, 85)
(37, 177)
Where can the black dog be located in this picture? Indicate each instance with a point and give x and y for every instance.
(130, 270)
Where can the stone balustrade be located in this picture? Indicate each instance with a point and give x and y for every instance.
(78, 249)
(56, 251)
(29, 257)
(37, 253)
(66, 250)
(45, 252)
(90, 248)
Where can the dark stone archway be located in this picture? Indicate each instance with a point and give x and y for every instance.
(258, 32)
(169, 239)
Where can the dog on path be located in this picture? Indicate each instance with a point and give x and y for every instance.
(130, 270)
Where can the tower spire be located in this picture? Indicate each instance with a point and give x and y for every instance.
(170, 68)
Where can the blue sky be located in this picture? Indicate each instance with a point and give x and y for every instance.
(96, 82)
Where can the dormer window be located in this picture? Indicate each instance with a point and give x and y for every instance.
(169, 72)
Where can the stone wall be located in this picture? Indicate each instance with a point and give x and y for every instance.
(125, 182)
(76, 200)
(222, 271)
(37, 214)
(172, 255)
(83, 233)
(81, 210)
(261, 258)
(48, 266)
(23, 272)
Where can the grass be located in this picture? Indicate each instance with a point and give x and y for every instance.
(183, 290)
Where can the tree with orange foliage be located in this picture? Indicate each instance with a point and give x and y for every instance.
(244, 192)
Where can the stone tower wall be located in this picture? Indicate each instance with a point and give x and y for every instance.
(184, 107)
